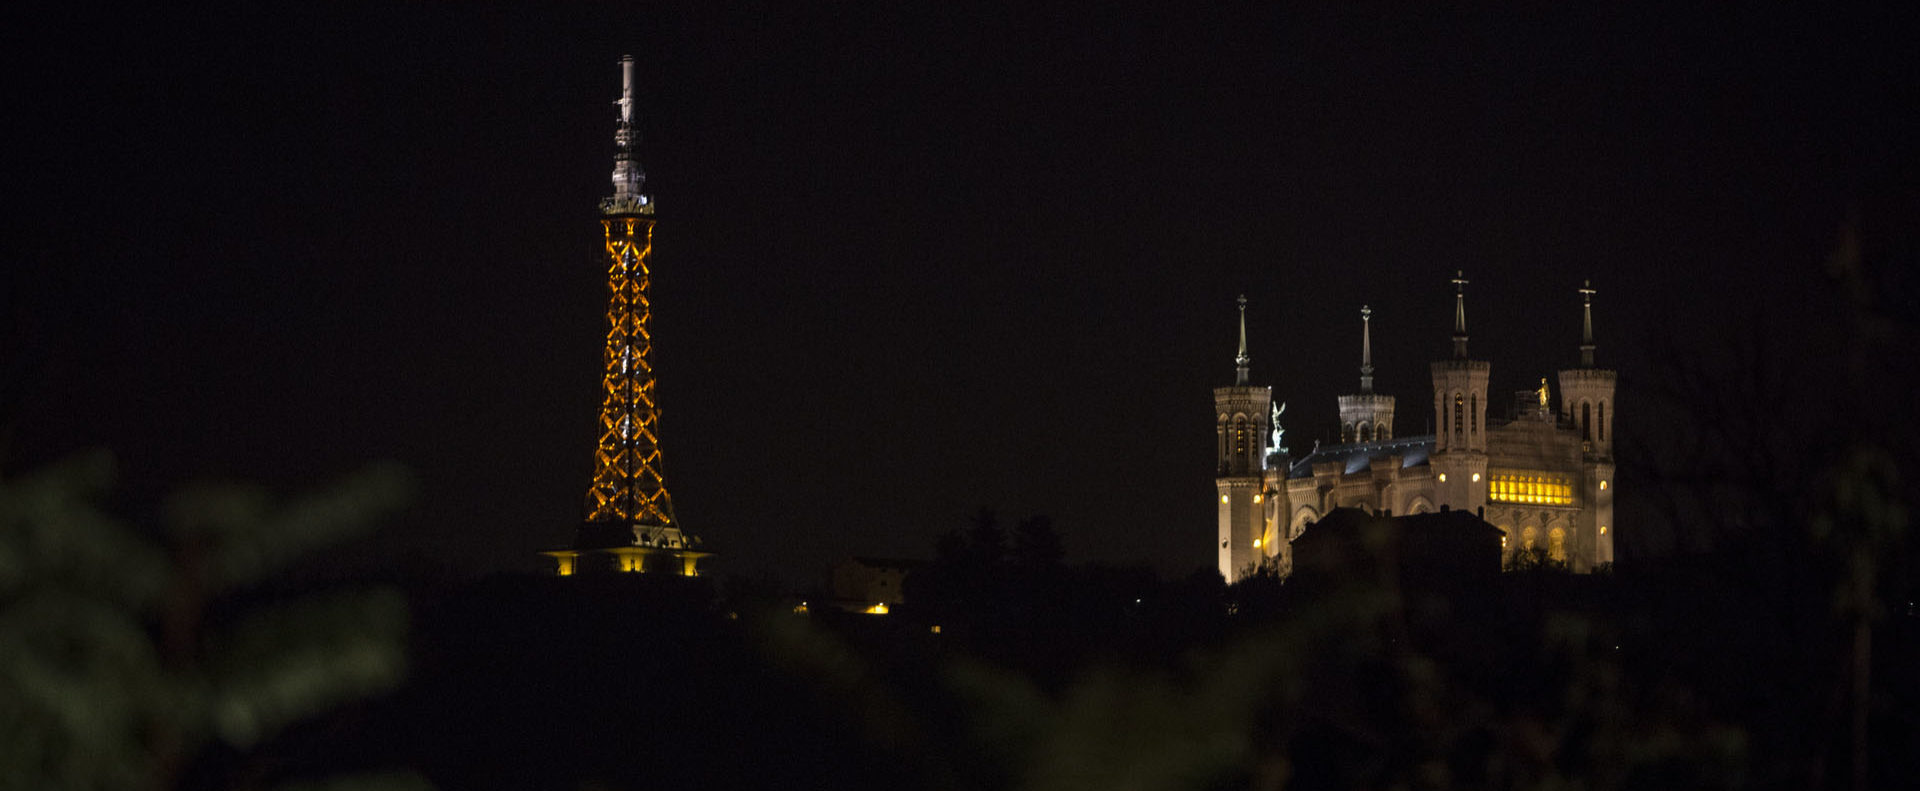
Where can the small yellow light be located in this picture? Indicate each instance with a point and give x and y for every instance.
(1476, 477)
(1256, 543)
(800, 609)
(1603, 530)
(879, 608)
(1256, 498)
(1603, 485)
(936, 628)
(1223, 499)
(1443, 477)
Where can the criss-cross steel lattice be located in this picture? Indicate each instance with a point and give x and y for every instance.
(627, 484)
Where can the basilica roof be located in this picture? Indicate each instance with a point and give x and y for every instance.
(1361, 456)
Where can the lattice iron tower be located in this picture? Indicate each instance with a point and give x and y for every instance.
(629, 513)
(627, 484)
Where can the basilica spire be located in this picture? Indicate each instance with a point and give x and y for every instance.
(1459, 314)
(1586, 324)
(1366, 349)
(1241, 360)
(628, 178)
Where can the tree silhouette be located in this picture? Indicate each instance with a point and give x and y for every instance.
(124, 653)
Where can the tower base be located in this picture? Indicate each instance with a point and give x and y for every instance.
(614, 547)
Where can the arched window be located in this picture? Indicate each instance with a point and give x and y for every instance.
(1528, 537)
(1346, 432)
(1365, 433)
(1301, 518)
(1586, 421)
(1474, 408)
(1459, 413)
(1239, 435)
(1603, 421)
(1557, 545)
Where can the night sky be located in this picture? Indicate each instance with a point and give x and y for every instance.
(909, 262)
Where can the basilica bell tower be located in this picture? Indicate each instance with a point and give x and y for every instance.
(1587, 404)
(1366, 416)
(1241, 425)
(1459, 458)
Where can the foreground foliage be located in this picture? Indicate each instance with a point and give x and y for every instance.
(151, 657)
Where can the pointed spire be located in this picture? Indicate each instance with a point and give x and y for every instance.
(1241, 360)
(1459, 314)
(1366, 349)
(1586, 324)
(628, 178)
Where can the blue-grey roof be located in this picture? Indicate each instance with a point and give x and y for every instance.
(1361, 456)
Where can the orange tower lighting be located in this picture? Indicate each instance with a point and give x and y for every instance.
(630, 524)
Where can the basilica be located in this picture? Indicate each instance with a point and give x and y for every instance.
(1542, 475)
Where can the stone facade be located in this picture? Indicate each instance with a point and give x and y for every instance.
(1543, 476)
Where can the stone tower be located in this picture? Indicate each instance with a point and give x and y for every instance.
(1366, 416)
(1241, 425)
(1587, 404)
(1460, 418)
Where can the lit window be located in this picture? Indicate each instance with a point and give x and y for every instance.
(936, 628)
(1540, 489)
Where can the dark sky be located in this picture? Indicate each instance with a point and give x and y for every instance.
(910, 261)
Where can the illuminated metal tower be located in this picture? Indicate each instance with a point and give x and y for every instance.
(630, 525)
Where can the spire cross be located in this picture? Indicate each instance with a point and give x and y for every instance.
(1460, 314)
(1366, 349)
(1586, 324)
(1241, 360)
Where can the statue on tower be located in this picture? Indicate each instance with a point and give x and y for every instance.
(1278, 432)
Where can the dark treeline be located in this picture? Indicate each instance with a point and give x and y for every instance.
(190, 655)
(1045, 675)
